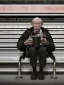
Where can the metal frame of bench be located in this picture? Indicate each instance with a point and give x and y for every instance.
(54, 67)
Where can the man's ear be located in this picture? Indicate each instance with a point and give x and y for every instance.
(32, 22)
(41, 22)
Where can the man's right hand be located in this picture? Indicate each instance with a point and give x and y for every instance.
(28, 42)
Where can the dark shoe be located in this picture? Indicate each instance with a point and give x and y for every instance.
(34, 76)
(41, 75)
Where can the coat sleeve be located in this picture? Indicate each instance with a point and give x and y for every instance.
(20, 43)
(51, 45)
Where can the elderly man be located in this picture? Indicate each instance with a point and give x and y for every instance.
(46, 46)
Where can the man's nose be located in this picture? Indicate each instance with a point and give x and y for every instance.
(37, 25)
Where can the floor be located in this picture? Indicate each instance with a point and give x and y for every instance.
(12, 80)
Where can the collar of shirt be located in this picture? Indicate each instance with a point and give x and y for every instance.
(40, 31)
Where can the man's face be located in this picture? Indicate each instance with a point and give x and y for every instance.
(37, 25)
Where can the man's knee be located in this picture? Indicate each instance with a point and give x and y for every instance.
(43, 49)
(32, 49)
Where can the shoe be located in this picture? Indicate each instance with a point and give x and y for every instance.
(34, 76)
(41, 75)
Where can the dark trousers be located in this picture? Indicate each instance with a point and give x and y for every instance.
(41, 53)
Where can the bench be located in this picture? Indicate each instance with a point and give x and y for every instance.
(10, 33)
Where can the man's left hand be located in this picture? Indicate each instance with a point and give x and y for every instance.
(44, 41)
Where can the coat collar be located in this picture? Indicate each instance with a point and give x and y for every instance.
(42, 28)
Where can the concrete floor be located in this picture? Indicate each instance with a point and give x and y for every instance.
(11, 80)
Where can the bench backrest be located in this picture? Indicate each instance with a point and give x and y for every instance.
(10, 33)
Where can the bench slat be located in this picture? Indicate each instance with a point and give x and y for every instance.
(19, 25)
(15, 44)
(17, 36)
(7, 32)
(15, 40)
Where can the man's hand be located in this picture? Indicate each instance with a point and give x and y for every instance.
(28, 42)
(44, 41)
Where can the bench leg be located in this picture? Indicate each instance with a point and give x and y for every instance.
(54, 70)
(19, 70)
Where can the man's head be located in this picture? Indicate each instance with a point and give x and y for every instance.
(37, 23)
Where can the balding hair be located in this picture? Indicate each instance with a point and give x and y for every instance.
(36, 18)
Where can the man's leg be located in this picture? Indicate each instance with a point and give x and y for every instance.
(42, 52)
(33, 61)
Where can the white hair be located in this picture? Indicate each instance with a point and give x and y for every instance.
(36, 18)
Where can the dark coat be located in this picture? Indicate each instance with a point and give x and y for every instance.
(27, 33)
